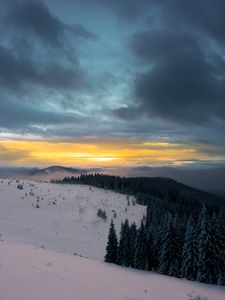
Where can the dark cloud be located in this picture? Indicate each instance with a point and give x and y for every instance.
(26, 63)
(58, 76)
(21, 116)
(176, 68)
(16, 71)
(35, 17)
(128, 9)
(128, 113)
(185, 77)
(205, 17)
(80, 31)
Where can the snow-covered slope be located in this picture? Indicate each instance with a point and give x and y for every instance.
(27, 273)
(66, 219)
(66, 222)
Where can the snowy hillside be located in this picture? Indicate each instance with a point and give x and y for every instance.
(42, 225)
(66, 217)
(27, 273)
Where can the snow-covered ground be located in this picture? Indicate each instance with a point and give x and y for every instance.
(27, 273)
(66, 219)
(37, 247)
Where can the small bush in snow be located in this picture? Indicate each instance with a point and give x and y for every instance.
(101, 214)
(20, 186)
(196, 297)
(114, 214)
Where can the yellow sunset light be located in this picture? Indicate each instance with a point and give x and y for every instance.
(97, 152)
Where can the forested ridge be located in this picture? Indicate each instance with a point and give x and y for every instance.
(181, 235)
(146, 189)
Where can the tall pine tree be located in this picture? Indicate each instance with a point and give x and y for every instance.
(205, 262)
(176, 249)
(133, 234)
(218, 250)
(140, 248)
(165, 250)
(112, 245)
(124, 254)
(190, 252)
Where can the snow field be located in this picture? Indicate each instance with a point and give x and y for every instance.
(66, 218)
(27, 273)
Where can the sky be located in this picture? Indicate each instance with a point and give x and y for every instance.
(112, 82)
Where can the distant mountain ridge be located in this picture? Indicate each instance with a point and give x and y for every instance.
(44, 174)
(56, 169)
(208, 180)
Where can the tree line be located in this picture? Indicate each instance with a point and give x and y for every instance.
(195, 251)
(182, 235)
(146, 189)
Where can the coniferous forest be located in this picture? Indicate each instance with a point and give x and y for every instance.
(182, 234)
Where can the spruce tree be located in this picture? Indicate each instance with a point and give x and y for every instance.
(140, 248)
(121, 245)
(112, 245)
(133, 234)
(151, 255)
(190, 252)
(165, 252)
(127, 245)
(221, 279)
(123, 256)
(176, 249)
(205, 263)
(218, 249)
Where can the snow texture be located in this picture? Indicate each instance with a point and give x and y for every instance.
(27, 273)
(66, 219)
(37, 247)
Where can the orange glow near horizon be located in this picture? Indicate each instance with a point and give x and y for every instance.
(97, 153)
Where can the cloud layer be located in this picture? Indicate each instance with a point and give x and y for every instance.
(117, 70)
(183, 57)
